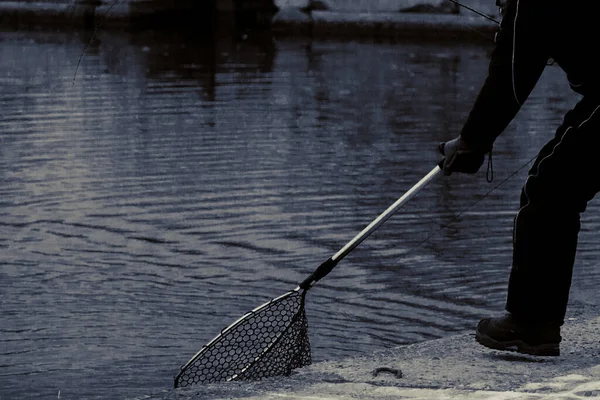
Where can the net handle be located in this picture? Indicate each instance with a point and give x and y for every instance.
(328, 265)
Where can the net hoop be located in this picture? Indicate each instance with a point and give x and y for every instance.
(234, 325)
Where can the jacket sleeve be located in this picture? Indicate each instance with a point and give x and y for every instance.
(516, 64)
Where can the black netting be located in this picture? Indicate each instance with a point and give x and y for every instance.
(272, 340)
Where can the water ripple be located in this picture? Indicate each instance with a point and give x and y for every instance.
(158, 198)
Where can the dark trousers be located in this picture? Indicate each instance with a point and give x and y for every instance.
(564, 177)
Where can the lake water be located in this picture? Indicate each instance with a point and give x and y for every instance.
(178, 182)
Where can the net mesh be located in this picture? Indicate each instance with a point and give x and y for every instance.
(271, 340)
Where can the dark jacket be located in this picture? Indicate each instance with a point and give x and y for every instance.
(532, 33)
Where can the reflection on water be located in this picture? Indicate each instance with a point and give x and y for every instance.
(180, 182)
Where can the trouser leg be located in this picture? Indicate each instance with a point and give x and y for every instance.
(564, 177)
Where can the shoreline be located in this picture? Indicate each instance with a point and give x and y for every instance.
(454, 367)
(317, 23)
(391, 25)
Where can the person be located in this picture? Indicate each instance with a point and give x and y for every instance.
(565, 175)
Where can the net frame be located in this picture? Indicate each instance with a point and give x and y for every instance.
(302, 356)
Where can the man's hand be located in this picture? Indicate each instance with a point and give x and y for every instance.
(459, 157)
(502, 5)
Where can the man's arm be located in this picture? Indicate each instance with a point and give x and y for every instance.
(517, 62)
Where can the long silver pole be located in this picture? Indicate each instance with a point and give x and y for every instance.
(386, 214)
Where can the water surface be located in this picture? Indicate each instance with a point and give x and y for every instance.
(178, 183)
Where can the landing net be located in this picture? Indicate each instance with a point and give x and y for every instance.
(270, 340)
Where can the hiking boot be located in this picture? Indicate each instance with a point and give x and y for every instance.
(508, 334)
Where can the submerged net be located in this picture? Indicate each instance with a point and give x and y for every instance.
(270, 340)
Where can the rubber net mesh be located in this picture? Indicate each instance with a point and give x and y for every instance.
(270, 341)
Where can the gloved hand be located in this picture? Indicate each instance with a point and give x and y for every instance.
(459, 157)
(502, 4)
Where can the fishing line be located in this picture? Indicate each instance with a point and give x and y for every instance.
(104, 18)
(457, 216)
(475, 11)
(466, 26)
(453, 220)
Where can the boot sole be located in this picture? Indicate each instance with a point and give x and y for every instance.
(545, 349)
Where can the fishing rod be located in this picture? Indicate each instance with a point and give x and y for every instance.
(104, 18)
(475, 11)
